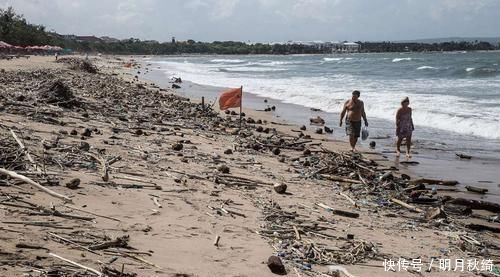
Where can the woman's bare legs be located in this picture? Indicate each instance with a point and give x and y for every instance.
(408, 146)
(398, 146)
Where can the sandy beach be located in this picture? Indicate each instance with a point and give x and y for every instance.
(167, 187)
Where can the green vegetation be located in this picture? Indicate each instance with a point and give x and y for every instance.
(14, 29)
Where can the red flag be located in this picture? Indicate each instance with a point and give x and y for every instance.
(230, 98)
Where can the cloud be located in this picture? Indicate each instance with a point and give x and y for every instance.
(265, 20)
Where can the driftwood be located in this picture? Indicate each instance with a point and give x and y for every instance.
(480, 227)
(103, 216)
(340, 179)
(433, 182)
(476, 189)
(338, 212)
(477, 204)
(216, 241)
(73, 243)
(118, 242)
(406, 205)
(25, 151)
(349, 199)
(98, 273)
(25, 179)
(104, 166)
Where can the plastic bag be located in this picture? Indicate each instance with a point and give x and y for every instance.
(364, 133)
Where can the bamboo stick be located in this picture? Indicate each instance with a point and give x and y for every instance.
(25, 179)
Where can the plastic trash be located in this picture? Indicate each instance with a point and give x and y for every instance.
(364, 133)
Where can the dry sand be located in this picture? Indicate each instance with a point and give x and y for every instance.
(180, 235)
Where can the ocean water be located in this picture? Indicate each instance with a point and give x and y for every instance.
(457, 92)
(455, 96)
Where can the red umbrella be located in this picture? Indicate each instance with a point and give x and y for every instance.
(5, 45)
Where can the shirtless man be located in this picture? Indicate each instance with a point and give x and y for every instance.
(355, 110)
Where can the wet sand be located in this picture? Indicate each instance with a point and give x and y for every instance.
(438, 162)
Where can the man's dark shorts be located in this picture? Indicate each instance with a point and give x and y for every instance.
(353, 128)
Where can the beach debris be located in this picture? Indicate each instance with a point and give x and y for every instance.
(73, 183)
(373, 144)
(463, 156)
(319, 131)
(223, 169)
(433, 213)
(317, 121)
(328, 130)
(475, 204)
(59, 94)
(280, 188)
(177, 146)
(216, 241)
(276, 265)
(476, 189)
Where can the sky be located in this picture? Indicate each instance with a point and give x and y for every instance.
(265, 20)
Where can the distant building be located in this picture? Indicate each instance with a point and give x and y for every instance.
(91, 39)
(346, 47)
(107, 39)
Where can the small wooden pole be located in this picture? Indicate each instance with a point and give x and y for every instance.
(241, 103)
(203, 103)
(216, 241)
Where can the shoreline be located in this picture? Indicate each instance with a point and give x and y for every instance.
(434, 162)
(179, 237)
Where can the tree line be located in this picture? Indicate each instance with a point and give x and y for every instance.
(14, 29)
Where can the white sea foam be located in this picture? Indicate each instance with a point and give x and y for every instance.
(469, 69)
(426, 67)
(332, 59)
(227, 61)
(395, 60)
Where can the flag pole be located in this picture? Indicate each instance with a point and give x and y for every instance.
(241, 103)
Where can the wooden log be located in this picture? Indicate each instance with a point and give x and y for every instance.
(349, 199)
(118, 242)
(340, 179)
(433, 182)
(476, 189)
(457, 209)
(77, 264)
(73, 243)
(406, 205)
(480, 227)
(25, 179)
(297, 234)
(25, 150)
(338, 212)
(477, 204)
(104, 166)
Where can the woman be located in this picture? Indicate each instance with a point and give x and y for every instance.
(404, 126)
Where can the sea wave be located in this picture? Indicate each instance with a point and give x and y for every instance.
(244, 69)
(227, 61)
(395, 60)
(460, 115)
(332, 59)
(426, 67)
(469, 69)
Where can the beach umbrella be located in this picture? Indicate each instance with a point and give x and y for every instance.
(5, 45)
